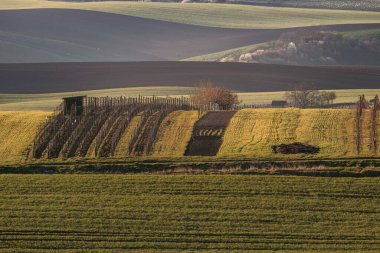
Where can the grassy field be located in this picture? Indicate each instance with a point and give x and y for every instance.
(253, 132)
(215, 15)
(175, 133)
(17, 132)
(122, 148)
(189, 213)
(328, 4)
(49, 101)
(366, 33)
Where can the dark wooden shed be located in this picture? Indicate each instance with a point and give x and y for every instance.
(73, 105)
(279, 103)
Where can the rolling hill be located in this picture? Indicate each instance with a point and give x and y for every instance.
(249, 134)
(87, 36)
(215, 15)
(62, 77)
(77, 36)
(342, 45)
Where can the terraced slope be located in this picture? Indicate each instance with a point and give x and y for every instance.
(251, 133)
(17, 132)
(199, 213)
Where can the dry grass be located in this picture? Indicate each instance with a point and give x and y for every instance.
(365, 144)
(122, 147)
(252, 132)
(175, 133)
(17, 132)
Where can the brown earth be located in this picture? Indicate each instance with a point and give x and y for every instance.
(64, 77)
(59, 35)
(62, 35)
(208, 133)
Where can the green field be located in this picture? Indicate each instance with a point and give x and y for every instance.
(328, 4)
(215, 15)
(192, 213)
(49, 101)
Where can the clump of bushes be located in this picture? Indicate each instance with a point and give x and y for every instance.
(295, 148)
(304, 97)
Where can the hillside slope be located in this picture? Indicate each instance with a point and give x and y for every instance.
(82, 36)
(250, 134)
(62, 77)
(215, 15)
(59, 35)
(17, 132)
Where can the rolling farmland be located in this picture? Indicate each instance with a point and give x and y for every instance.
(367, 33)
(78, 36)
(49, 101)
(214, 15)
(17, 132)
(133, 160)
(72, 77)
(250, 134)
(252, 131)
(328, 4)
(175, 133)
(212, 213)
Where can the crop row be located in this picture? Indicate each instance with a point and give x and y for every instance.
(192, 212)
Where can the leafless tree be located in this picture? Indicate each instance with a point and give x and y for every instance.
(207, 93)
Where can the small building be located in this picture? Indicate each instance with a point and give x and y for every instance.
(73, 105)
(279, 103)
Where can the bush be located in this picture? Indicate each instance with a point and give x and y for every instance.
(206, 93)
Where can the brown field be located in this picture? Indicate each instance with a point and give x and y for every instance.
(62, 77)
(78, 36)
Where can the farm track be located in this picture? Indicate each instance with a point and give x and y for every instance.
(223, 213)
(208, 133)
(62, 77)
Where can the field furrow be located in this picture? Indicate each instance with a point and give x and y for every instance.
(202, 213)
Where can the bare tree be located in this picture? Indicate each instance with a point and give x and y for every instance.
(206, 93)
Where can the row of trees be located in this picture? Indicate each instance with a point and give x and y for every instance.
(301, 97)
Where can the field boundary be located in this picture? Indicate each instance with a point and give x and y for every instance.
(355, 167)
